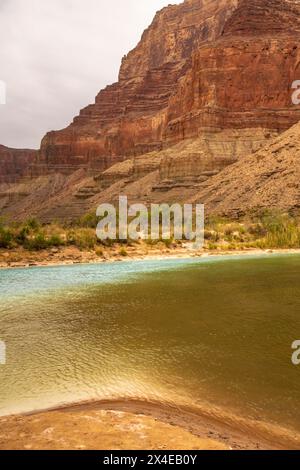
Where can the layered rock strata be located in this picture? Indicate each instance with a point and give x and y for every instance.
(14, 163)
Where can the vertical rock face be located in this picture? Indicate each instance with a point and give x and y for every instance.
(201, 65)
(268, 17)
(236, 84)
(129, 117)
(14, 163)
(242, 80)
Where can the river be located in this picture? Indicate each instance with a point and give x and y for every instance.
(213, 333)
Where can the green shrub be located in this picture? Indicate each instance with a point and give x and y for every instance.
(83, 238)
(6, 237)
(257, 230)
(212, 246)
(284, 236)
(89, 220)
(211, 235)
(36, 242)
(282, 231)
(214, 222)
(55, 240)
(107, 243)
(25, 233)
(32, 224)
(233, 229)
(22, 235)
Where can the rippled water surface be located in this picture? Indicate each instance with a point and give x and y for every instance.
(214, 331)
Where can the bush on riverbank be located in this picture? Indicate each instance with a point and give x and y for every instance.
(6, 237)
(268, 229)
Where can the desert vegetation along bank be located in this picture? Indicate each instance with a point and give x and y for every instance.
(266, 229)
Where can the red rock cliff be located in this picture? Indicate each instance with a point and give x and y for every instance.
(242, 80)
(128, 117)
(201, 65)
(14, 163)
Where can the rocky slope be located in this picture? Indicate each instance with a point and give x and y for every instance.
(269, 178)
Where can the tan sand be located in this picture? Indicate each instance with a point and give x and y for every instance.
(97, 430)
(134, 424)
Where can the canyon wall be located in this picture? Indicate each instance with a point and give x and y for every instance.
(209, 83)
(201, 65)
(129, 117)
(14, 163)
(242, 80)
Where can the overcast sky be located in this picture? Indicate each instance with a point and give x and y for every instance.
(56, 55)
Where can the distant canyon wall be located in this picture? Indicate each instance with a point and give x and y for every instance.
(14, 163)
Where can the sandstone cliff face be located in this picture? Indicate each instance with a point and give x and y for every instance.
(242, 80)
(129, 117)
(237, 85)
(14, 163)
(201, 65)
(268, 17)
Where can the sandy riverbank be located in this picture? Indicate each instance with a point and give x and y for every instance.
(133, 424)
(20, 258)
(96, 429)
